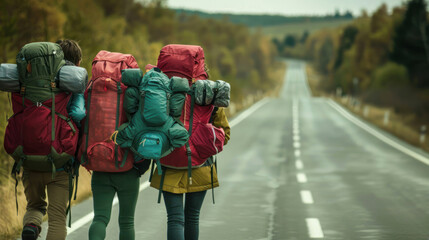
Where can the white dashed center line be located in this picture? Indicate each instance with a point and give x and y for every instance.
(299, 165)
(314, 228)
(297, 153)
(301, 177)
(306, 197)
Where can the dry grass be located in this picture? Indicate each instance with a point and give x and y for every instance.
(403, 126)
(10, 222)
(314, 80)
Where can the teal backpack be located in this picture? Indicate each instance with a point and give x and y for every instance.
(153, 103)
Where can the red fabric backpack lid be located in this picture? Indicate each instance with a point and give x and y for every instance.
(112, 69)
(185, 59)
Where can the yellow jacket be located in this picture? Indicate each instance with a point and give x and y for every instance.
(176, 180)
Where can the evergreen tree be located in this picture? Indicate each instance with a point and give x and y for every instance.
(411, 43)
(346, 42)
(289, 41)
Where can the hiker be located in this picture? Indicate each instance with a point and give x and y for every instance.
(187, 61)
(112, 167)
(55, 183)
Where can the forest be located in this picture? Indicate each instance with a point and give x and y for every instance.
(261, 20)
(380, 57)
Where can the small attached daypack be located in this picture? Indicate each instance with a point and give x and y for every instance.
(40, 135)
(105, 113)
(153, 101)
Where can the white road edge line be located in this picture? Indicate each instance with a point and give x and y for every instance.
(314, 228)
(306, 197)
(378, 135)
(88, 217)
(301, 177)
(248, 111)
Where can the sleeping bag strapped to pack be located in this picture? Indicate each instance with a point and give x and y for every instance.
(152, 101)
(205, 139)
(40, 136)
(104, 101)
(68, 79)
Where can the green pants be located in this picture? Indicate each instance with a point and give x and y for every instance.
(36, 185)
(104, 187)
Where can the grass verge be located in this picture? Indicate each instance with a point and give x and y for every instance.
(402, 125)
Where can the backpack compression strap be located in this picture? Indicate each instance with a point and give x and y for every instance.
(188, 149)
(84, 157)
(118, 102)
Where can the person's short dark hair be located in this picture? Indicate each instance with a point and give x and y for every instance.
(71, 49)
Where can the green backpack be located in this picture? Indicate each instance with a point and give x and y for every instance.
(153, 101)
(40, 136)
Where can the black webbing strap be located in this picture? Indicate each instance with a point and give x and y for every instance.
(14, 174)
(213, 165)
(161, 184)
(118, 102)
(211, 175)
(70, 172)
(151, 169)
(15, 171)
(16, 191)
(188, 149)
(54, 169)
(84, 157)
(213, 115)
(76, 174)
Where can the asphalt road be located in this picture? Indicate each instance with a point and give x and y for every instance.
(299, 167)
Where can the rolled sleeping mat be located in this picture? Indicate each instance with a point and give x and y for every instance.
(209, 92)
(178, 84)
(9, 77)
(132, 77)
(71, 78)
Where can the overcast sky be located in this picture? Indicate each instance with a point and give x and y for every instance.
(283, 7)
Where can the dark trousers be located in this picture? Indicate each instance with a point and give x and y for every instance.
(104, 187)
(183, 223)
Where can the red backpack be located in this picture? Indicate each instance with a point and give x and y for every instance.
(104, 103)
(206, 140)
(40, 136)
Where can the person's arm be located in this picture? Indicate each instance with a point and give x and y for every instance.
(76, 108)
(220, 120)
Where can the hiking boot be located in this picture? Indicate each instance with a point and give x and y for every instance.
(30, 232)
